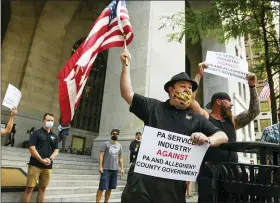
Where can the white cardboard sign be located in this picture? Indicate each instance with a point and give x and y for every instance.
(227, 65)
(12, 97)
(169, 155)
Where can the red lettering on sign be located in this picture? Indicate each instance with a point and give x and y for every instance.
(173, 155)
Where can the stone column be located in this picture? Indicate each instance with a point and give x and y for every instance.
(15, 44)
(43, 63)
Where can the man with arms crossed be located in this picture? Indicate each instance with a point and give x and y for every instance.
(172, 115)
(110, 154)
(221, 116)
(43, 146)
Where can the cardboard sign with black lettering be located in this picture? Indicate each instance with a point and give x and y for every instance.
(227, 65)
(169, 155)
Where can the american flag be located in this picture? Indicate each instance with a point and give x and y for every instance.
(108, 31)
(265, 93)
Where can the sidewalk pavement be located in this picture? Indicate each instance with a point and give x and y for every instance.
(193, 199)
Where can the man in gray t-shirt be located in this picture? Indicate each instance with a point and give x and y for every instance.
(111, 154)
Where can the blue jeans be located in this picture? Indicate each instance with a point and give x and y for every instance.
(108, 180)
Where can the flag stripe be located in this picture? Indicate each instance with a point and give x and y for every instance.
(265, 93)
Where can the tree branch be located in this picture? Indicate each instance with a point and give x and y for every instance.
(275, 72)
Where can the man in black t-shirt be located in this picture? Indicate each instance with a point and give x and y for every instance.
(221, 116)
(134, 147)
(172, 115)
(43, 146)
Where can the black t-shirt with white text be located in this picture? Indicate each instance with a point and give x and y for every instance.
(162, 115)
(45, 143)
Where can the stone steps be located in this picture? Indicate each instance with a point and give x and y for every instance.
(77, 190)
(115, 197)
(77, 183)
(75, 178)
(58, 159)
(62, 156)
(93, 166)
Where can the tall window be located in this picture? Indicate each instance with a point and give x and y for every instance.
(259, 89)
(264, 123)
(244, 92)
(244, 134)
(264, 106)
(236, 51)
(188, 66)
(88, 112)
(256, 126)
(240, 89)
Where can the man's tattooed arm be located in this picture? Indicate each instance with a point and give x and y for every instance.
(249, 115)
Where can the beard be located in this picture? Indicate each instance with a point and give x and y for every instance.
(226, 112)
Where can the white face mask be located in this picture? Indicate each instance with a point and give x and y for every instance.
(49, 124)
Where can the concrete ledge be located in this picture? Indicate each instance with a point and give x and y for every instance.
(16, 196)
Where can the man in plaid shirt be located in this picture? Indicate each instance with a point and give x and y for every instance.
(272, 133)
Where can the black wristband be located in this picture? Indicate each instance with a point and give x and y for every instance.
(252, 86)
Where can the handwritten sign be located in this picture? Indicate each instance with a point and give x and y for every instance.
(226, 65)
(169, 155)
(12, 97)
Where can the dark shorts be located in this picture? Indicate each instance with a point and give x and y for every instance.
(108, 180)
(148, 189)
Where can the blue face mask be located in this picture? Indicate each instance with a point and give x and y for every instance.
(49, 124)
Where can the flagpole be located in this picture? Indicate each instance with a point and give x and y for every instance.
(125, 48)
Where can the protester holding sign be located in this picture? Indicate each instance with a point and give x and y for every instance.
(9, 126)
(173, 115)
(221, 116)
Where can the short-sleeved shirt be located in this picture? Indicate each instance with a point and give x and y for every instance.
(45, 143)
(134, 149)
(112, 152)
(163, 115)
(272, 134)
(64, 131)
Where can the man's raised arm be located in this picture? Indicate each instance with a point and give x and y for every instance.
(249, 115)
(10, 123)
(198, 76)
(195, 106)
(125, 84)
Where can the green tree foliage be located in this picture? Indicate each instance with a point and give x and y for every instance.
(229, 19)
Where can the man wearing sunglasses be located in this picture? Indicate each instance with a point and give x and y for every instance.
(111, 154)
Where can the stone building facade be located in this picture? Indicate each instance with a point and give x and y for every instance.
(39, 40)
